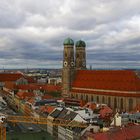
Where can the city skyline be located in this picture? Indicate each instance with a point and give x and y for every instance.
(32, 32)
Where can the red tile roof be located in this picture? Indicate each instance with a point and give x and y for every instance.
(124, 133)
(28, 87)
(51, 87)
(10, 85)
(47, 97)
(71, 101)
(10, 76)
(47, 109)
(23, 95)
(30, 79)
(117, 80)
(105, 112)
(90, 105)
(14, 77)
(31, 100)
(39, 87)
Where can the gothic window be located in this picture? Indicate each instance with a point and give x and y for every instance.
(65, 54)
(76, 96)
(77, 55)
(103, 99)
(83, 55)
(115, 103)
(130, 104)
(71, 54)
(86, 97)
(92, 98)
(97, 99)
(109, 101)
(81, 96)
(121, 103)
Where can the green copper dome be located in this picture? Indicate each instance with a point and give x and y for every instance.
(80, 43)
(68, 41)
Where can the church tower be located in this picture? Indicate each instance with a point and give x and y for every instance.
(80, 56)
(68, 66)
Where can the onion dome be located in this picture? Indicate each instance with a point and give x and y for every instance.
(68, 41)
(80, 43)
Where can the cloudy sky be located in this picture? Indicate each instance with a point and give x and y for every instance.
(32, 32)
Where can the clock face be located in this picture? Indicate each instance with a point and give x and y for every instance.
(72, 64)
(65, 63)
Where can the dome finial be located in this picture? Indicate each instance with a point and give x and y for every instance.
(68, 41)
(80, 43)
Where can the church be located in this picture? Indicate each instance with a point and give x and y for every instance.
(119, 89)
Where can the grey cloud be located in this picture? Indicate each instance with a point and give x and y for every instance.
(32, 32)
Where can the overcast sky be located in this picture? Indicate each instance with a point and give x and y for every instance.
(32, 32)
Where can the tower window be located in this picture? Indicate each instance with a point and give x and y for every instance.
(66, 55)
(77, 55)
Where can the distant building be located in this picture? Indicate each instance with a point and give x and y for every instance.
(9, 81)
(62, 114)
(119, 89)
(55, 81)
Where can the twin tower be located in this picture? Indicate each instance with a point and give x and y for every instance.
(72, 61)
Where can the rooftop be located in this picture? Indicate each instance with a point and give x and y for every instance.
(123, 133)
(106, 82)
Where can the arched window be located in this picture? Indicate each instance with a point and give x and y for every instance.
(103, 99)
(86, 97)
(121, 104)
(77, 55)
(115, 103)
(76, 96)
(130, 104)
(97, 99)
(109, 101)
(92, 98)
(81, 96)
(65, 54)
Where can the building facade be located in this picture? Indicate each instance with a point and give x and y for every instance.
(119, 89)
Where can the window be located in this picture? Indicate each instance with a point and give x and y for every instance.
(130, 104)
(109, 101)
(86, 97)
(65, 54)
(81, 97)
(121, 104)
(115, 103)
(77, 55)
(97, 99)
(92, 98)
(103, 99)
(76, 96)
